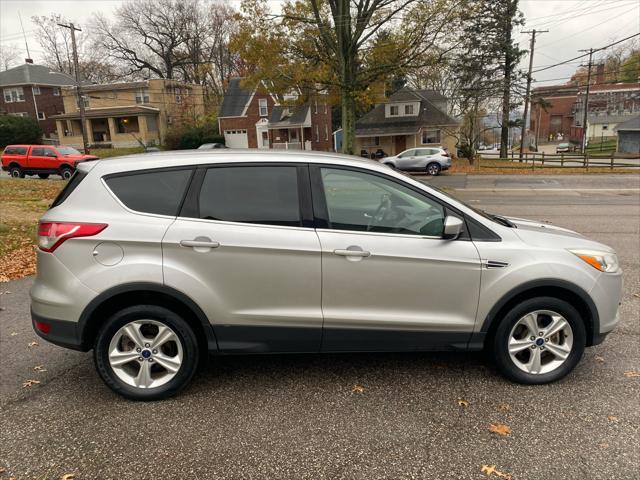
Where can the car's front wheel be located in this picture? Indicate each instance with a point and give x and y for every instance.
(146, 352)
(66, 172)
(539, 341)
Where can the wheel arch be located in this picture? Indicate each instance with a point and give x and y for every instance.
(117, 298)
(560, 289)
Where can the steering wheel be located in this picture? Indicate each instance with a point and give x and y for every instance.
(381, 211)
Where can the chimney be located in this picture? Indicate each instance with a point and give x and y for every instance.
(28, 60)
(600, 74)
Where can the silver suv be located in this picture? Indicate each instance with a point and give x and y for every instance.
(431, 160)
(154, 260)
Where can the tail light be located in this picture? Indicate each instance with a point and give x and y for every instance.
(52, 234)
(446, 154)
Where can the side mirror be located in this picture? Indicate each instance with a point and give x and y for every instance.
(452, 228)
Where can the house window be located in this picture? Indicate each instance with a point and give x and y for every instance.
(15, 94)
(317, 134)
(263, 107)
(394, 110)
(408, 109)
(326, 132)
(178, 92)
(127, 124)
(430, 136)
(19, 114)
(605, 127)
(36, 90)
(142, 96)
(41, 116)
(56, 91)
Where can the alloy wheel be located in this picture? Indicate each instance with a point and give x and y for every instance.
(145, 354)
(433, 169)
(540, 342)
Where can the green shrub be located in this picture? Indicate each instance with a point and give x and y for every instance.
(19, 130)
(190, 137)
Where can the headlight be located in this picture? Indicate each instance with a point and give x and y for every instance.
(603, 261)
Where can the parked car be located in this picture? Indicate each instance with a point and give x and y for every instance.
(427, 159)
(209, 146)
(564, 148)
(42, 160)
(263, 252)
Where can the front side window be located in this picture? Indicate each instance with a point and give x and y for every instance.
(408, 153)
(37, 152)
(158, 192)
(370, 203)
(262, 103)
(264, 195)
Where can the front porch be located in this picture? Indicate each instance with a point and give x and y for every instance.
(294, 138)
(110, 128)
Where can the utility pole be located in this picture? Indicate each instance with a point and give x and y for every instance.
(586, 104)
(79, 95)
(526, 97)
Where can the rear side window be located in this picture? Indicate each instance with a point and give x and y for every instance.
(159, 192)
(71, 185)
(15, 151)
(252, 194)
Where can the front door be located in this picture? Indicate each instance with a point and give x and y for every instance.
(389, 280)
(240, 248)
(400, 143)
(262, 134)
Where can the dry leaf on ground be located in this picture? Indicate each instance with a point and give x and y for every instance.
(612, 418)
(504, 407)
(632, 374)
(30, 383)
(500, 429)
(33, 344)
(13, 334)
(598, 358)
(357, 389)
(69, 476)
(490, 470)
(636, 295)
(40, 368)
(463, 403)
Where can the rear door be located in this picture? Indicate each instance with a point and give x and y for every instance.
(245, 249)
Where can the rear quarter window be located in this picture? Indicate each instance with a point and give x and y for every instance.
(159, 192)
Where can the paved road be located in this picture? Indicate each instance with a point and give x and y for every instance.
(295, 416)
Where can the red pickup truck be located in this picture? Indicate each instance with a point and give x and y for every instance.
(42, 160)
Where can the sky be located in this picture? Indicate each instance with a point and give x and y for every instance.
(573, 25)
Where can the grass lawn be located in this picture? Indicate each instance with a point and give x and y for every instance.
(23, 201)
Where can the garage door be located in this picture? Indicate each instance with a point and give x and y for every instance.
(236, 139)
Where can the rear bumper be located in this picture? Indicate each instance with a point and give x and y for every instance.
(61, 332)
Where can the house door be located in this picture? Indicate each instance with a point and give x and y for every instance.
(262, 134)
(400, 144)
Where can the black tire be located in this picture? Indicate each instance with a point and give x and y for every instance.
(16, 172)
(66, 172)
(499, 343)
(434, 169)
(43, 176)
(147, 312)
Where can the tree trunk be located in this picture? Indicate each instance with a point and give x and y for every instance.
(348, 122)
(506, 104)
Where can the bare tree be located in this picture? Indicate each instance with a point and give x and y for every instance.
(9, 55)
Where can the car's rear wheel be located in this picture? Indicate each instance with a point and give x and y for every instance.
(433, 169)
(43, 176)
(539, 341)
(16, 172)
(66, 172)
(146, 352)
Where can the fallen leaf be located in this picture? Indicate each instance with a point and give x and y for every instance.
(490, 470)
(2, 470)
(632, 374)
(2, 309)
(500, 429)
(504, 407)
(40, 368)
(33, 344)
(13, 334)
(69, 476)
(612, 418)
(600, 359)
(636, 295)
(463, 403)
(357, 389)
(604, 445)
(30, 383)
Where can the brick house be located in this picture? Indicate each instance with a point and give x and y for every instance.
(34, 91)
(408, 119)
(256, 118)
(129, 113)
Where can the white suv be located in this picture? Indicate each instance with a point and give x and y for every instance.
(431, 160)
(154, 260)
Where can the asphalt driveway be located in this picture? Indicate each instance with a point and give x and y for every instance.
(298, 416)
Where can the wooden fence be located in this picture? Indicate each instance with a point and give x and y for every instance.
(535, 160)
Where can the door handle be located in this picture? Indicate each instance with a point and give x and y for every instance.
(352, 253)
(199, 244)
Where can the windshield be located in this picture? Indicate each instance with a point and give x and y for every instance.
(68, 151)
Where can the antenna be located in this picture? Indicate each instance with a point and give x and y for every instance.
(29, 60)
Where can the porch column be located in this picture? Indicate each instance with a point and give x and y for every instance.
(111, 123)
